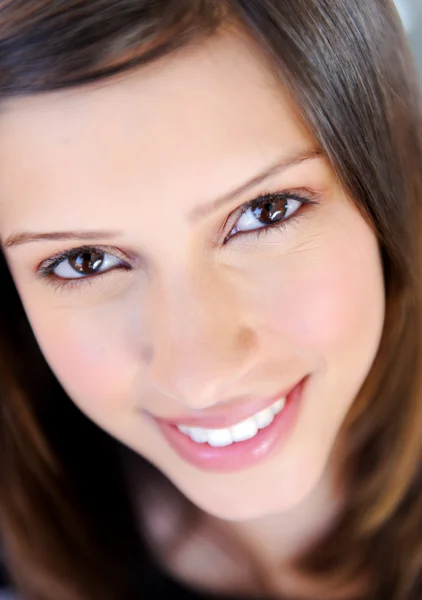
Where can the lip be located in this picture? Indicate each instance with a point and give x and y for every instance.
(239, 455)
(223, 418)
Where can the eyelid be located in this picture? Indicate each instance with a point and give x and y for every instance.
(45, 268)
(304, 195)
(54, 260)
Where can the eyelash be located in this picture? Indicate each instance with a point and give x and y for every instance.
(47, 267)
(305, 197)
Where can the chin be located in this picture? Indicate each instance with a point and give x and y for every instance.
(231, 502)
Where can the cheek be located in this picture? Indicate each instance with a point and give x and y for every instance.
(327, 298)
(87, 354)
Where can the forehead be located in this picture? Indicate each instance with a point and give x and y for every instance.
(188, 127)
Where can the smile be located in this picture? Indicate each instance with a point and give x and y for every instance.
(242, 443)
(245, 430)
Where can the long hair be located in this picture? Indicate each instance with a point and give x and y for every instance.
(67, 527)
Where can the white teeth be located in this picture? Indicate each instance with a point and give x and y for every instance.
(278, 406)
(245, 430)
(184, 429)
(264, 418)
(198, 434)
(219, 437)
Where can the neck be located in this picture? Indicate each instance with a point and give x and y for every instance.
(278, 539)
(274, 542)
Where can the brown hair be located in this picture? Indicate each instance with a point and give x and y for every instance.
(66, 524)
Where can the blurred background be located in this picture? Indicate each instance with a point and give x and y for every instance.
(411, 13)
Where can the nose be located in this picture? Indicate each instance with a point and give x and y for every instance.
(200, 347)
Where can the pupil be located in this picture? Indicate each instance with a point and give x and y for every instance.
(272, 210)
(86, 262)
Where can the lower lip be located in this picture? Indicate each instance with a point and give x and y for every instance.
(239, 455)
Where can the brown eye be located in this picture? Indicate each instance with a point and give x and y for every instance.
(84, 262)
(270, 210)
(266, 211)
(87, 262)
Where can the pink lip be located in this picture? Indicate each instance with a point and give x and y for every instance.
(222, 418)
(239, 455)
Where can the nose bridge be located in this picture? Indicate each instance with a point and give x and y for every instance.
(200, 346)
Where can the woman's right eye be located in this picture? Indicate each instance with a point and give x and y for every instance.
(84, 264)
(80, 263)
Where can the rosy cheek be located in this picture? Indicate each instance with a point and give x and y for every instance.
(327, 299)
(85, 355)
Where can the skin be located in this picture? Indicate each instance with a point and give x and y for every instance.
(196, 323)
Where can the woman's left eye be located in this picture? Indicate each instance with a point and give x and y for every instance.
(267, 211)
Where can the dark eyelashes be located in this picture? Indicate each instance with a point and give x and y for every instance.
(305, 197)
(48, 265)
(55, 260)
(46, 269)
(59, 283)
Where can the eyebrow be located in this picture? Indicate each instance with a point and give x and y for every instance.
(197, 213)
(17, 239)
(278, 167)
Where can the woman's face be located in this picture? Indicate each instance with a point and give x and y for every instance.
(181, 311)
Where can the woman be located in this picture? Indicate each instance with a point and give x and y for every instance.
(211, 348)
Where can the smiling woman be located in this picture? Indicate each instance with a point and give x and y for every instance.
(210, 372)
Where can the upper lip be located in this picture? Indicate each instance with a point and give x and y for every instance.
(222, 418)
